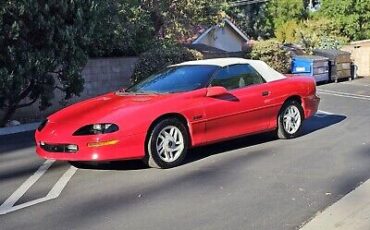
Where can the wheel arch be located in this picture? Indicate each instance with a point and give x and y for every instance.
(178, 116)
(291, 98)
(294, 98)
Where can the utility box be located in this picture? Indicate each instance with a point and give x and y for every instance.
(339, 63)
(313, 66)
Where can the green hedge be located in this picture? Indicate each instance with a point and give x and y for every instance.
(271, 52)
(156, 59)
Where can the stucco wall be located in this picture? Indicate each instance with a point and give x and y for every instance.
(101, 75)
(360, 55)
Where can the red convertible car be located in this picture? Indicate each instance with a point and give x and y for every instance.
(185, 105)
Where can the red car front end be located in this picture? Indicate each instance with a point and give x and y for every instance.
(101, 147)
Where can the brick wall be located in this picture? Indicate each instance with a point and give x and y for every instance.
(101, 75)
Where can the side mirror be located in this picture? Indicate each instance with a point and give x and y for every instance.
(216, 91)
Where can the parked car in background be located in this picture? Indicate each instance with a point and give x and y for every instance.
(185, 105)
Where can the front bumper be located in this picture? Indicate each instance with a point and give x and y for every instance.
(129, 147)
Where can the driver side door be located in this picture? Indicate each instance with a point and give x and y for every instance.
(243, 110)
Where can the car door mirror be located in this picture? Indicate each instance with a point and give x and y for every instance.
(216, 91)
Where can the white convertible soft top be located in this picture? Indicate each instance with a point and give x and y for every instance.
(268, 73)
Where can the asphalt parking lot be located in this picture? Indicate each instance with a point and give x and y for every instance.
(257, 182)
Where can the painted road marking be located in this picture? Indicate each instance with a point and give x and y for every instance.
(8, 205)
(325, 112)
(356, 84)
(25, 186)
(321, 113)
(342, 94)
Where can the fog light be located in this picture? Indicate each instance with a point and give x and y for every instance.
(72, 148)
(101, 143)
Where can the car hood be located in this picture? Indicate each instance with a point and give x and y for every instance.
(103, 108)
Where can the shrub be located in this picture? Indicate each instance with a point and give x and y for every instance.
(286, 32)
(319, 34)
(271, 52)
(156, 59)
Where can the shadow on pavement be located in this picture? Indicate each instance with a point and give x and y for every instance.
(114, 165)
(319, 121)
(13, 142)
(23, 171)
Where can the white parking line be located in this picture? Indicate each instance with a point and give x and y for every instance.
(325, 112)
(25, 186)
(8, 205)
(356, 84)
(342, 94)
(61, 183)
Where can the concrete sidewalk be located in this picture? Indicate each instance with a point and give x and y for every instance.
(19, 128)
(352, 212)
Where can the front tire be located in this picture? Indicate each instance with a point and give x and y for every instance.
(290, 120)
(167, 144)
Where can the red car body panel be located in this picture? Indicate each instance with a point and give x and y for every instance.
(244, 111)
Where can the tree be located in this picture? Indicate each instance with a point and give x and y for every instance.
(266, 19)
(130, 27)
(352, 17)
(283, 11)
(287, 32)
(42, 48)
(124, 28)
(253, 19)
(176, 20)
(319, 33)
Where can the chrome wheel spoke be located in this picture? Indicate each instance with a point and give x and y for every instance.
(170, 154)
(179, 148)
(175, 135)
(161, 136)
(166, 155)
(172, 131)
(162, 153)
(170, 144)
(160, 146)
(291, 119)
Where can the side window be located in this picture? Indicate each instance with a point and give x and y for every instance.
(237, 76)
(252, 76)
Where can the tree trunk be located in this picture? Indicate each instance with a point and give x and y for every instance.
(8, 114)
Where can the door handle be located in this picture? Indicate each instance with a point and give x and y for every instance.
(265, 93)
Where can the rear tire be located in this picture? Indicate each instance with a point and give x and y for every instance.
(290, 120)
(167, 144)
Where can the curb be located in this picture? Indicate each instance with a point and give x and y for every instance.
(350, 212)
(19, 128)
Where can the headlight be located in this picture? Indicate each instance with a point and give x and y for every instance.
(42, 125)
(94, 129)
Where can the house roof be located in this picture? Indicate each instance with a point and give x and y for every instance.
(228, 22)
(205, 48)
(268, 73)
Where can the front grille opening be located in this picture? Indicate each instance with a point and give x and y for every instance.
(59, 148)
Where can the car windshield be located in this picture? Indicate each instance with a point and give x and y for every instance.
(175, 79)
